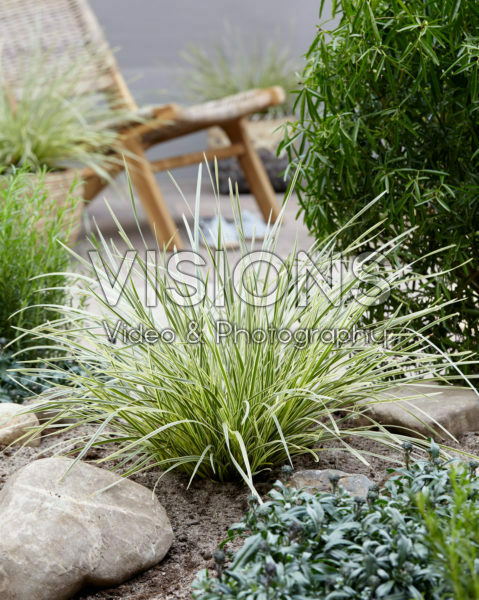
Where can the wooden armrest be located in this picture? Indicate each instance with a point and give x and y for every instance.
(233, 107)
(150, 117)
(165, 111)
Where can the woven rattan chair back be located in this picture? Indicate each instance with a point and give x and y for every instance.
(65, 32)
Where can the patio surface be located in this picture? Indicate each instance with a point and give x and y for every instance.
(118, 198)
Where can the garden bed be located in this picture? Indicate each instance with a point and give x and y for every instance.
(201, 515)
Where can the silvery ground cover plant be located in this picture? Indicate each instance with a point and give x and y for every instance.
(416, 538)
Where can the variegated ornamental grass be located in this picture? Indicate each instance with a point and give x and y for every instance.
(236, 64)
(234, 409)
(53, 121)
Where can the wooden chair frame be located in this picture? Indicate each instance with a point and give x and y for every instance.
(164, 122)
(168, 119)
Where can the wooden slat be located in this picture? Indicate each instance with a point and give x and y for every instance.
(193, 158)
(253, 170)
(143, 179)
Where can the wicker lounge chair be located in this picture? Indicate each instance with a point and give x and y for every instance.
(66, 24)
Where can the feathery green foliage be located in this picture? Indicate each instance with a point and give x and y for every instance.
(390, 102)
(32, 225)
(231, 408)
(453, 532)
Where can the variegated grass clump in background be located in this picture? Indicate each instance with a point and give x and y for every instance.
(238, 64)
(56, 121)
(234, 409)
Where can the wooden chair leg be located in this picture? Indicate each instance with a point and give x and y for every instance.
(253, 170)
(151, 197)
(92, 186)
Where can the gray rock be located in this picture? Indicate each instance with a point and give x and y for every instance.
(318, 480)
(61, 532)
(428, 411)
(14, 423)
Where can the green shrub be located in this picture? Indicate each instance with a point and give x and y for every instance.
(390, 102)
(32, 225)
(233, 408)
(333, 546)
(453, 533)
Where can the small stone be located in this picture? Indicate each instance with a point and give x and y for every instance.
(318, 480)
(428, 411)
(14, 423)
(64, 531)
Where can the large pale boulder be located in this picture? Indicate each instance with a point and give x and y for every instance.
(60, 532)
(14, 423)
(428, 410)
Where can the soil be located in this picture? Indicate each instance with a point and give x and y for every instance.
(202, 514)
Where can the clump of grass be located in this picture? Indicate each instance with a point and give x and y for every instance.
(237, 64)
(55, 121)
(32, 225)
(233, 409)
